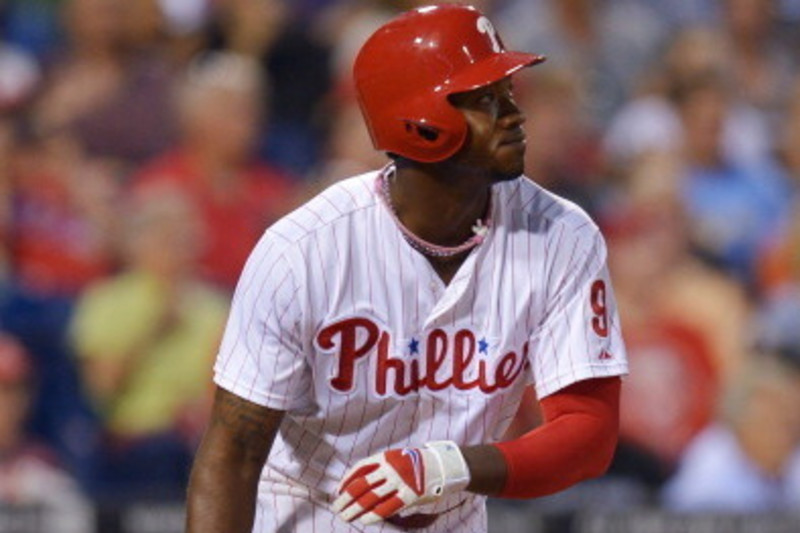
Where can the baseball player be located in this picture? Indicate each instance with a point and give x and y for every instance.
(382, 335)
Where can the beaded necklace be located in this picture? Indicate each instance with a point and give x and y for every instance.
(480, 229)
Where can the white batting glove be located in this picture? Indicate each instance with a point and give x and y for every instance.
(383, 484)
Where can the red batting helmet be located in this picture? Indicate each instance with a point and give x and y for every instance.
(408, 67)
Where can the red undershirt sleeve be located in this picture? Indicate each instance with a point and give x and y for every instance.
(576, 441)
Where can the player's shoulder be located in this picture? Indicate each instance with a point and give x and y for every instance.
(527, 205)
(337, 202)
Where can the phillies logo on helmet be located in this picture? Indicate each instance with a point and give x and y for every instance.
(486, 26)
(448, 360)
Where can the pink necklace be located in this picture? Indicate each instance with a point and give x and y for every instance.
(480, 229)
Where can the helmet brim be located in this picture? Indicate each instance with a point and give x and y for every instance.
(490, 70)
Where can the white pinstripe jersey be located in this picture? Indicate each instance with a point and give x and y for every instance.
(341, 323)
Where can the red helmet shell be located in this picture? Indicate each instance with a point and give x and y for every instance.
(408, 67)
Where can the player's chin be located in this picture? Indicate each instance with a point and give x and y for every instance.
(509, 161)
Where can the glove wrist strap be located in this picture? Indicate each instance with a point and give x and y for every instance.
(453, 465)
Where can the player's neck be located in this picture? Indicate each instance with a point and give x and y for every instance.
(444, 219)
(440, 210)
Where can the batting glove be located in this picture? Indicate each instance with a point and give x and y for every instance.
(379, 486)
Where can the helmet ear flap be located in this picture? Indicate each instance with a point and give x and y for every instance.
(433, 134)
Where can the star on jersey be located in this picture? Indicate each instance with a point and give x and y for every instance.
(413, 346)
(483, 346)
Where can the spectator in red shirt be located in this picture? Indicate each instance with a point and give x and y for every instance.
(220, 111)
(61, 233)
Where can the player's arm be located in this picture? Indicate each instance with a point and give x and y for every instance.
(581, 421)
(576, 442)
(224, 480)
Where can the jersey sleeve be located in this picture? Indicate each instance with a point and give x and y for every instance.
(261, 357)
(579, 336)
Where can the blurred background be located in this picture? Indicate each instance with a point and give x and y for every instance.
(146, 144)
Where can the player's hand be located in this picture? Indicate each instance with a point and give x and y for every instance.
(379, 486)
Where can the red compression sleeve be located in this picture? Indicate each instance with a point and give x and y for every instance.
(575, 443)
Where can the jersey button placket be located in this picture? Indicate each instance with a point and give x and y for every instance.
(434, 287)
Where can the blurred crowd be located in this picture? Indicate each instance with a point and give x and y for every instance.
(146, 144)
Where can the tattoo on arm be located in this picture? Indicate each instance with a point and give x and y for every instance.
(250, 426)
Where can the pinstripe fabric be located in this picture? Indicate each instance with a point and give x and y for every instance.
(338, 321)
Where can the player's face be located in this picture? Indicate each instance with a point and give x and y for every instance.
(496, 140)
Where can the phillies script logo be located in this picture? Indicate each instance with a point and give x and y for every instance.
(449, 360)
